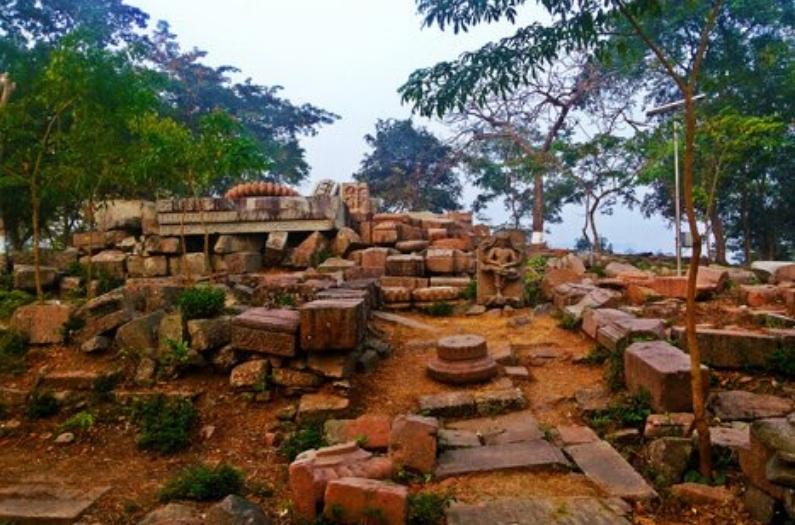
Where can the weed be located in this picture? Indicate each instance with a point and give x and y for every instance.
(103, 386)
(440, 309)
(80, 422)
(548, 430)
(13, 348)
(42, 405)
(201, 302)
(165, 424)
(694, 476)
(782, 361)
(614, 374)
(106, 282)
(284, 300)
(11, 300)
(411, 477)
(534, 275)
(597, 356)
(320, 257)
(470, 293)
(304, 438)
(569, 322)
(599, 270)
(176, 353)
(202, 483)
(628, 411)
(426, 508)
(72, 325)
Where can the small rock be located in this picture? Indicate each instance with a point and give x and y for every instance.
(517, 372)
(172, 514)
(517, 322)
(207, 432)
(234, 510)
(698, 494)
(65, 438)
(626, 435)
(477, 309)
(670, 457)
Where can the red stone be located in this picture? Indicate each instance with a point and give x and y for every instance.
(41, 323)
(461, 347)
(267, 331)
(412, 443)
(463, 372)
(356, 500)
(372, 429)
(332, 324)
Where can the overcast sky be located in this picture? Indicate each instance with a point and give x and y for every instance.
(349, 57)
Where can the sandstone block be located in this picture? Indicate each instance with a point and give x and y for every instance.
(357, 500)
(227, 244)
(243, 262)
(332, 325)
(251, 375)
(308, 253)
(41, 323)
(209, 334)
(24, 277)
(266, 331)
(412, 443)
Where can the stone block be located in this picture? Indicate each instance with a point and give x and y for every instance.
(618, 334)
(345, 241)
(676, 424)
(308, 253)
(332, 325)
(24, 277)
(375, 258)
(769, 438)
(266, 331)
(156, 245)
(396, 295)
(411, 246)
(120, 214)
(405, 265)
(453, 243)
(155, 266)
(595, 318)
(759, 295)
(321, 406)
(111, 263)
(385, 234)
(227, 244)
(392, 281)
(194, 263)
(41, 324)
(209, 334)
(733, 349)
(435, 294)
(243, 262)
(370, 431)
(528, 455)
(739, 405)
(275, 248)
(412, 443)
(140, 334)
(664, 372)
(332, 365)
(700, 494)
(603, 465)
(357, 500)
(438, 261)
(251, 375)
(295, 379)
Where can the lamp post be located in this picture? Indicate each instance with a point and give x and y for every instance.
(661, 110)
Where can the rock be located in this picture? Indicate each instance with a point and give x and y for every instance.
(195, 264)
(357, 500)
(155, 266)
(759, 505)
(731, 438)
(618, 334)
(412, 443)
(768, 438)
(664, 371)
(738, 405)
(209, 334)
(295, 379)
(140, 334)
(96, 344)
(668, 425)
(625, 271)
(539, 510)
(46, 503)
(268, 331)
(310, 251)
(375, 258)
(156, 245)
(435, 294)
(41, 324)
(370, 431)
(24, 277)
(173, 514)
(515, 427)
(225, 359)
(774, 271)
(527, 455)
(111, 263)
(411, 246)
(318, 407)
(334, 366)
(145, 371)
(609, 470)
(275, 248)
(243, 262)
(65, 438)
(251, 375)
(448, 404)
(171, 329)
(575, 435)
(452, 438)
(332, 325)
(476, 309)
(698, 494)
(405, 265)
(669, 457)
(234, 510)
(346, 240)
(491, 402)
(227, 244)
(314, 469)
(121, 214)
(733, 349)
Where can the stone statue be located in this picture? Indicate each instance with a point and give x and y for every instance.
(501, 260)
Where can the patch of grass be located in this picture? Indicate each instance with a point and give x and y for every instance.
(304, 438)
(176, 354)
(13, 348)
(284, 300)
(614, 374)
(41, 405)
(534, 275)
(201, 302)
(320, 257)
(203, 483)
(598, 270)
(426, 508)
(440, 309)
(80, 422)
(782, 362)
(630, 410)
(597, 356)
(11, 300)
(165, 424)
(470, 293)
(569, 322)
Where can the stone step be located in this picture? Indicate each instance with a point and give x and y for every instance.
(537, 454)
(535, 511)
(46, 503)
(514, 427)
(469, 404)
(603, 465)
(79, 380)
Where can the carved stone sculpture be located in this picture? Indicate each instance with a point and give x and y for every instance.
(501, 261)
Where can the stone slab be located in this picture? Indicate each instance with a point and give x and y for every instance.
(537, 511)
(46, 503)
(534, 455)
(514, 427)
(603, 465)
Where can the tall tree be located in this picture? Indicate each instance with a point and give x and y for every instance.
(410, 168)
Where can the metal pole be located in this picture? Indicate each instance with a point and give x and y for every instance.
(677, 204)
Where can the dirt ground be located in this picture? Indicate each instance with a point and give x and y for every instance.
(107, 455)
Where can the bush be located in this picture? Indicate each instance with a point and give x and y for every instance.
(80, 422)
(176, 354)
(42, 405)
(782, 362)
(440, 309)
(11, 300)
(13, 348)
(470, 293)
(202, 483)
(201, 302)
(569, 322)
(304, 438)
(629, 411)
(426, 508)
(534, 275)
(165, 424)
(284, 300)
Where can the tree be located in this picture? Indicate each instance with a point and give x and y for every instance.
(601, 28)
(410, 168)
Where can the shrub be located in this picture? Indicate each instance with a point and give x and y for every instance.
(72, 325)
(176, 354)
(304, 438)
(11, 300)
(42, 405)
(569, 322)
(782, 361)
(628, 411)
(202, 483)
(13, 348)
(165, 424)
(440, 309)
(470, 293)
(80, 422)
(201, 302)
(597, 356)
(284, 300)
(534, 275)
(426, 508)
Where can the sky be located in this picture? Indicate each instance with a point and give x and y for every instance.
(349, 57)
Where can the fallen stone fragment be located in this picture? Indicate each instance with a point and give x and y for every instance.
(533, 455)
(370, 431)
(514, 427)
(676, 424)
(41, 324)
(448, 404)
(318, 407)
(412, 443)
(669, 457)
(575, 435)
(234, 510)
(539, 510)
(607, 468)
(452, 438)
(698, 494)
(357, 500)
(46, 503)
(738, 405)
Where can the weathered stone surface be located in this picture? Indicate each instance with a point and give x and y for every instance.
(435, 294)
(275, 248)
(625, 271)
(194, 263)
(451, 438)
(538, 510)
(375, 258)
(490, 402)
(439, 261)
(676, 424)
(96, 344)
(411, 246)
(514, 427)
(312, 470)
(669, 457)
(234, 510)
(155, 266)
(463, 372)
(575, 435)
(448, 404)
(251, 375)
(46, 503)
(225, 359)
(759, 505)
(734, 349)
(405, 265)
(500, 260)
(730, 437)
(209, 334)
(698, 494)
(759, 295)
(110, 262)
(345, 241)
(332, 325)
(295, 379)
(319, 407)
(238, 243)
(594, 298)
(121, 214)
(24, 277)
(332, 365)
(595, 318)
(461, 347)
(608, 469)
(532, 455)
(664, 371)
(334, 265)
(309, 251)
(41, 324)
(392, 295)
(370, 431)
(243, 262)
(738, 405)
(357, 500)
(264, 330)
(156, 245)
(769, 438)
(140, 334)
(412, 443)
(617, 335)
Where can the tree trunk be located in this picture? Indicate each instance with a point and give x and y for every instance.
(597, 244)
(90, 271)
(746, 232)
(701, 425)
(34, 203)
(720, 237)
(538, 209)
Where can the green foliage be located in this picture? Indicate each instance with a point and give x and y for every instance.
(470, 293)
(165, 424)
(41, 405)
(569, 322)
(103, 386)
(440, 309)
(176, 353)
(284, 300)
(614, 373)
(72, 325)
(11, 300)
(304, 438)
(627, 411)
(80, 422)
(426, 508)
(201, 302)
(320, 257)
(13, 348)
(202, 483)
(782, 361)
(534, 275)
(597, 356)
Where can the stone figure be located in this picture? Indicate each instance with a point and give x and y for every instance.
(501, 260)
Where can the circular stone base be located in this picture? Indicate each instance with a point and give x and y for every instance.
(462, 372)
(461, 348)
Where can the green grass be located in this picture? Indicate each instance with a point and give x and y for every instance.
(201, 302)
(203, 483)
(80, 422)
(304, 438)
(11, 300)
(534, 274)
(470, 293)
(176, 354)
(440, 309)
(426, 508)
(284, 300)
(630, 410)
(165, 424)
(569, 322)
(782, 362)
